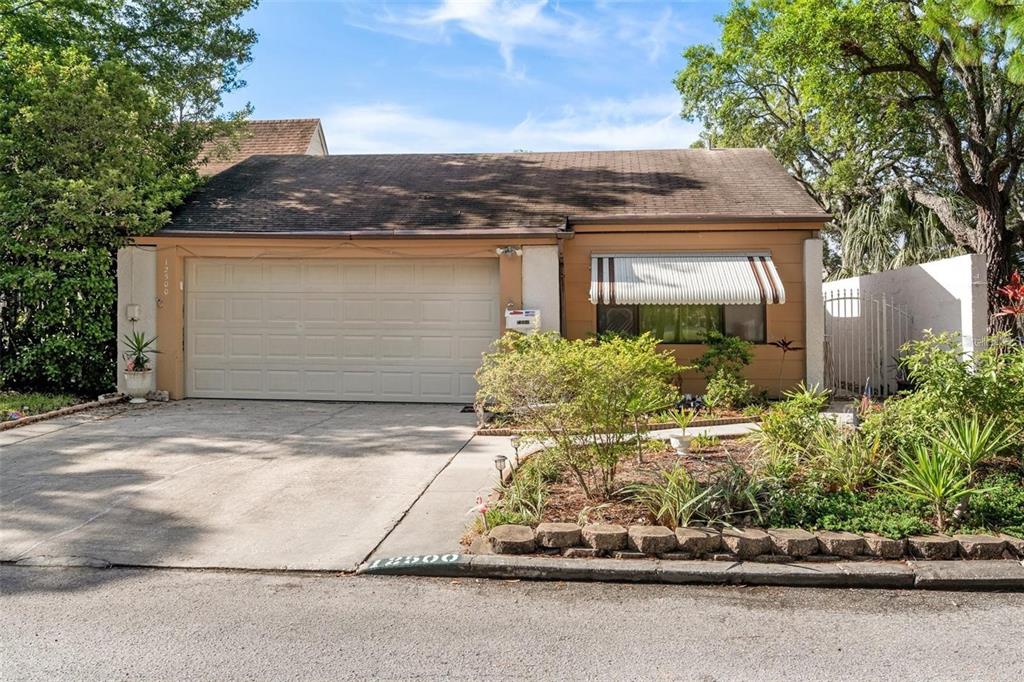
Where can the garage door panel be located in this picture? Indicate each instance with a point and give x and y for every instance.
(246, 346)
(358, 329)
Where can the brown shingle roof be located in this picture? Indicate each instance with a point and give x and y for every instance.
(281, 136)
(468, 193)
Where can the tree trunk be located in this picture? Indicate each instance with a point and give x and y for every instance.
(992, 239)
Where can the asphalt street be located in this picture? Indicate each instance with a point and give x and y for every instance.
(86, 624)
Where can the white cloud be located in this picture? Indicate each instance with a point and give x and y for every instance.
(650, 122)
(545, 25)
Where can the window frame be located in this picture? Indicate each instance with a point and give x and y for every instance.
(636, 323)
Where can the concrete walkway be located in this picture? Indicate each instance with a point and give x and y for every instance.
(440, 517)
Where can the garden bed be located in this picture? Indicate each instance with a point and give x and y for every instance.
(36, 407)
(935, 474)
(716, 418)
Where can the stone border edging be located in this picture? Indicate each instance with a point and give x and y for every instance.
(1006, 575)
(766, 545)
(696, 424)
(70, 409)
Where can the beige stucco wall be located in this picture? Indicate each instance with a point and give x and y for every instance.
(540, 284)
(787, 320)
(136, 285)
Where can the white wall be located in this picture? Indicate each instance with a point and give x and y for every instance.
(944, 296)
(815, 313)
(136, 284)
(541, 285)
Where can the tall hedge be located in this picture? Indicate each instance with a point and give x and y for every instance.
(105, 105)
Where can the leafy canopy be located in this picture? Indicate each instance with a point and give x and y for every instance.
(106, 105)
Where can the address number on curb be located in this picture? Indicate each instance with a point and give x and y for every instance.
(412, 560)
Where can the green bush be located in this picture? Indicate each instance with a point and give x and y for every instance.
(949, 384)
(579, 395)
(729, 391)
(887, 513)
(725, 353)
(843, 458)
(789, 425)
(1000, 506)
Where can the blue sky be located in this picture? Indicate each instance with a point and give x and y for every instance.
(477, 75)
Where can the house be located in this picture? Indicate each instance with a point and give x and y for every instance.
(268, 136)
(384, 277)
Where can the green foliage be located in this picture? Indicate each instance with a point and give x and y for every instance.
(870, 99)
(682, 418)
(887, 513)
(703, 441)
(787, 427)
(138, 347)
(973, 442)
(521, 500)
(725, 354)
(33, 403)
(934, 475)
(727, 390)
(807, 400)
(844, 459)
(949, 385)
(999, 506)
(579, 395)
(677, 499)
(106, 105)
(674, 501)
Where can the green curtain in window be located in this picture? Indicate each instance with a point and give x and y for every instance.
(680, 323)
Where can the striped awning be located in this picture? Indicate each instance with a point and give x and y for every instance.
(685, 278)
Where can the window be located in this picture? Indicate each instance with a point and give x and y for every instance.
(683, 323)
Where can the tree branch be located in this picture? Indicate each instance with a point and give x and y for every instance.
(943, 209)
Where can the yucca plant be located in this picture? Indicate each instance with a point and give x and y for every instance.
(674, 501)
(935, 475)
(973, 442)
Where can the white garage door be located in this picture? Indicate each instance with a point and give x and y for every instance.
(345, 329)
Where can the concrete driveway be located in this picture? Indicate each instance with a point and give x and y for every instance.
(221, 483)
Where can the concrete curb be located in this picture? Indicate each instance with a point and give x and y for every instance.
(996, 575)
(53, 414)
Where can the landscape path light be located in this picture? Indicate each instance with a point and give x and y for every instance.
(499, 463)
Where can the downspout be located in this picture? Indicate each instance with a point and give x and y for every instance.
(565, 234)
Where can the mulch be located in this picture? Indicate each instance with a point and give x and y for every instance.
(567, 503)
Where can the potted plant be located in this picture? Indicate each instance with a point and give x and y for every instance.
(137, 370)
(681, 443)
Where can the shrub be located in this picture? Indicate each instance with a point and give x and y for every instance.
(788, 426)
(728, 391)
(887, 513)
(934, 475)
(725, 353)
(703, 442)
(1000, 506)
(580, 395)
(843, 458)
(973, 443)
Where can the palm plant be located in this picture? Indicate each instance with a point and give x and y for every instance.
(973, 442)
(935, 475)
(138, 347)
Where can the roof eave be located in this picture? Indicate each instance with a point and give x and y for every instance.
(671, 219)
